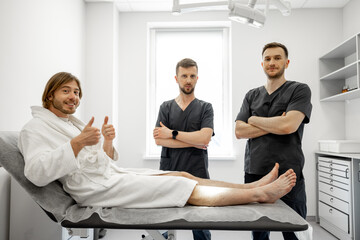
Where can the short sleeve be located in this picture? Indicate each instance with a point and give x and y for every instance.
(163, 115)
(245, 112)
(208, 117)
(301, 101)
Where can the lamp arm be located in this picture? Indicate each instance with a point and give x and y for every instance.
(283, 6)
(192, 7)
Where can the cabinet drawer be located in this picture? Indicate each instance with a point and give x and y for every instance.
(343, 172)
(334, 191)
(327, 161)
(339, 219)
(334, 183)
(334, 202)
(334, 177)
(339, 167)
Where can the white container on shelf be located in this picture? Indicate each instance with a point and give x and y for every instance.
(340, 146)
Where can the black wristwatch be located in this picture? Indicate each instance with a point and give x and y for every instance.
(174, 134)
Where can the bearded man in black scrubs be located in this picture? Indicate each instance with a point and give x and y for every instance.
(272, 118)
(184, 129)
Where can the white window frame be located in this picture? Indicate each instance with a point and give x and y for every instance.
(151, 114)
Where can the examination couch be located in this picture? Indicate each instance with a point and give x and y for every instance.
(63, 210)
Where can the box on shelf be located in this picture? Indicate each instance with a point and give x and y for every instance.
(339, 146)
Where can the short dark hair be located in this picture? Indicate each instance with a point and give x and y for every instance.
(186, 63)
(275, 45)
(54, 83)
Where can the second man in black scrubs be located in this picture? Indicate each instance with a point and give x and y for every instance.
(272, 118)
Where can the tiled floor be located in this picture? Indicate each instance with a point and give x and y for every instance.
(318, 233)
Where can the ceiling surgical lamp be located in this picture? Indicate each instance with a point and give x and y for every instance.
(247, 15)
(238, 12)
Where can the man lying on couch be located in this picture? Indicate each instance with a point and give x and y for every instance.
(56, 145)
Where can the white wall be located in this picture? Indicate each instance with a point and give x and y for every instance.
(351, 27)
(100, 88)
(300, 32)
(27, 220)
(38, 39)
(351, 19)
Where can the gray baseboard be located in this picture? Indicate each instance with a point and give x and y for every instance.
(311, 218)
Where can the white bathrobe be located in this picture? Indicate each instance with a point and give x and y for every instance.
(91, 178)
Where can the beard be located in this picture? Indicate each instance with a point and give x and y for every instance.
(59, 106)
(277, 75)
(187, 92)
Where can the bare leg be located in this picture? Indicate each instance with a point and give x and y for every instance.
(270, 177)
(220, 196)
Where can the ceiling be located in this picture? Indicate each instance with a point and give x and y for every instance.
(166, 5)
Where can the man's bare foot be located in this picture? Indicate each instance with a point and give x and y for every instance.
(268, 178)
(278, 188)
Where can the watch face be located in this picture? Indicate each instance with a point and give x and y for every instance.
(174, 134)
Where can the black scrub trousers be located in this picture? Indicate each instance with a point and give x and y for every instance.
(263, 152)
(199, 114)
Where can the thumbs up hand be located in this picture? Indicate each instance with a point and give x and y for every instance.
(90, 135)
(108, 130)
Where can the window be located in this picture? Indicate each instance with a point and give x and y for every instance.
(208, 44)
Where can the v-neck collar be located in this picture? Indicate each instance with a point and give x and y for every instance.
(186, 106)
(278, 89)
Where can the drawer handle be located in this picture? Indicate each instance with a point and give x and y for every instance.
(331, 189)
(347, 172)
(331, 200)
(330, 210)
(331, 170)
(331, 181)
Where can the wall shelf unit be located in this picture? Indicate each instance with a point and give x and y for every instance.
(338, 68)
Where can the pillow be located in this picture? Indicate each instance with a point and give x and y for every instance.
(51, 198)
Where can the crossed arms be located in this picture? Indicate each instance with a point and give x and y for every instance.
(256, 126)
(199, 139)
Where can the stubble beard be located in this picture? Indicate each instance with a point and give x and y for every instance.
(187, 92)
(277, 75)
(58, 105)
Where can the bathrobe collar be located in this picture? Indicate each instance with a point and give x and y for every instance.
(52, 120)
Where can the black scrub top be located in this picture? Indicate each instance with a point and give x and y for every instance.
(199, 114)
(263, 152)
